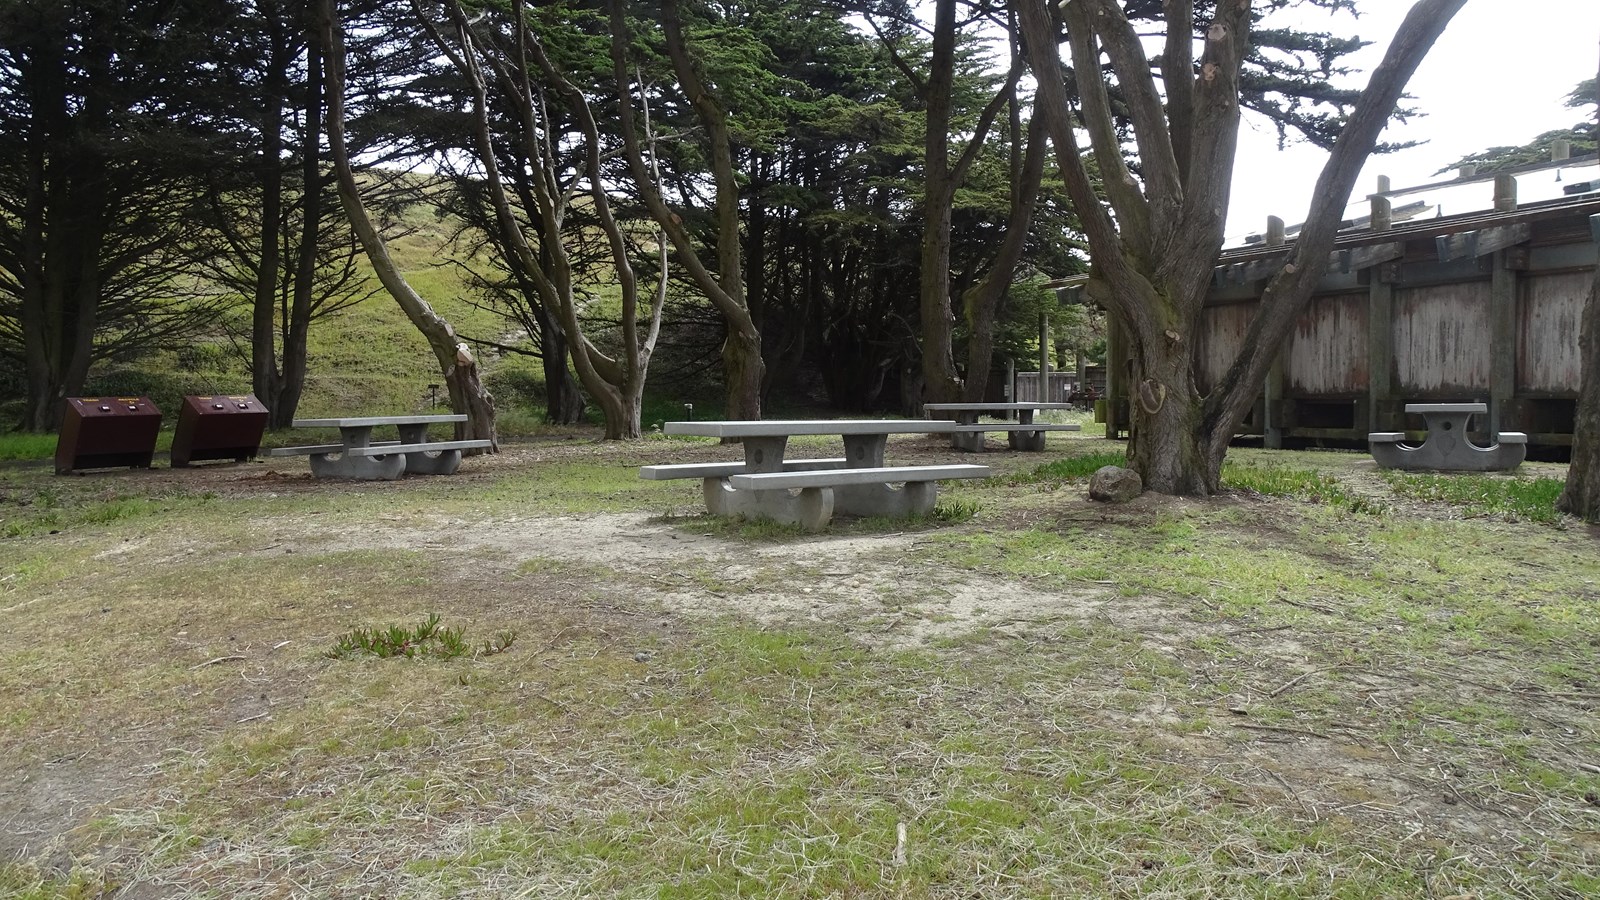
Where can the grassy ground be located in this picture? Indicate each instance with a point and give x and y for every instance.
(1325, 683)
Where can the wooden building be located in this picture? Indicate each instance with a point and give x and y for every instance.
(1480, 306)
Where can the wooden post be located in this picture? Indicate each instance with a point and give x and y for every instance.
(1560, 149)
(1383, 184)
(1380, 349)
(1505, 193)
(1116, 391)
(1382, 214)
(1044, 356)
(1272, 390)
(1502, 343)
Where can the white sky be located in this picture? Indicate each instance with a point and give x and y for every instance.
(1498, 76)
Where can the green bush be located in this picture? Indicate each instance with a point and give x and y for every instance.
(516, 387)
(165, 389)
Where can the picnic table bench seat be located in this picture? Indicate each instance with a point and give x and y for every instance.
(724, 469)
(384, 448)
(311, 449)
(856, 491)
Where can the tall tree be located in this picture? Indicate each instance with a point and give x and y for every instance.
(485, 54)
(456, 362)
(941, 93)
(1155, 230)
(284, 243)
(106, 121)
(744, 369)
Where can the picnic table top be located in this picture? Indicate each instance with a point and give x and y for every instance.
(790, 427)
(1447, 407)
(998, 407)
(369, 421)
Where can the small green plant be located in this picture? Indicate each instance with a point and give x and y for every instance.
(1532, 499)
(952, 512)
(425, 639)
(500, 643)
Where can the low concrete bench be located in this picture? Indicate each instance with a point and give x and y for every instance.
(822, 492)
(724, 469)
(1019, 436)
(1446, 447)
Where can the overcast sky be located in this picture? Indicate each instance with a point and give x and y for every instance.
(1498, 76)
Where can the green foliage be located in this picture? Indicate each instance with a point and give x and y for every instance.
(1071, 468)
(1582, 137)
(26, 445)
(426, 639)
(1297, 484)
(515, 386)
(1532, 499)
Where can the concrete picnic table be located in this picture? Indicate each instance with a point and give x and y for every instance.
(968, 433)
(856, 484)
(358, 456)
(1446, 447)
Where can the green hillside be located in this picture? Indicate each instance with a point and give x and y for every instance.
(367, 358)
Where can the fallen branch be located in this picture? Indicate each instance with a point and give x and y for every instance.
(1304, 731)
(212, 662)
(1301, 677)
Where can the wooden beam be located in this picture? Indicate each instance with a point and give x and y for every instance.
(1355, 259)
(1471, 244)
(1594, 227)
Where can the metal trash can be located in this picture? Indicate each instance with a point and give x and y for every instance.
(220, 427)
(107, 432)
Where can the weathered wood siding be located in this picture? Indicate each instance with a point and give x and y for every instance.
(1441, 340)
(1221, 335)
(1327, 351)
(1547, 332)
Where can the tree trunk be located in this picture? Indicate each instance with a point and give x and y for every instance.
(984, 305)
(296, 318)
(1581, 497)
(264, 374)
(743, 366)
(1153, 250)
(460, 370)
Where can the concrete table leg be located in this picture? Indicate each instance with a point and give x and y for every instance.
(439, 462)
(811, 508)
(915, 498)
(1029, 441)
(365, 468)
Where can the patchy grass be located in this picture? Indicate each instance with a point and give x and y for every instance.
(1529, 499)
(1258, 694)
(16, 445)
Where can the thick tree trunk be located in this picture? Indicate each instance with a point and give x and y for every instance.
(985, 303)
(745, 368)
(460, 370)
(1152, 260)
(296, 318)
(1581, 497)
(264, 374)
